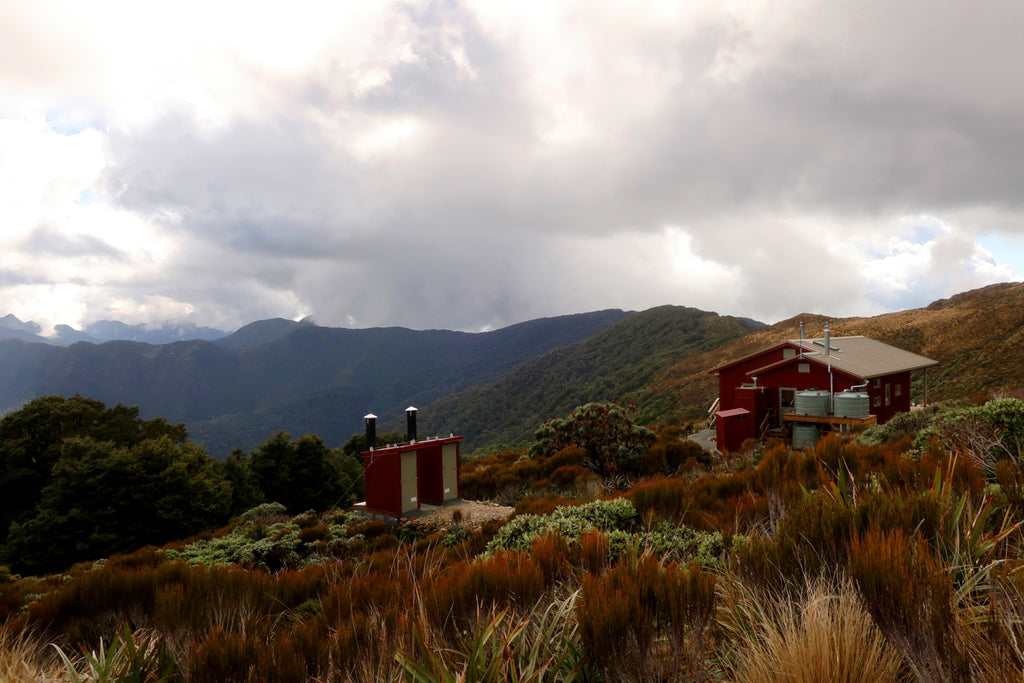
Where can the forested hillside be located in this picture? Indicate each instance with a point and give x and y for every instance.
(492, 387)
(612, 365)
(300, 378)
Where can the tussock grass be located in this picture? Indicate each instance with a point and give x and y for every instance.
(825, 635)
(26, 657)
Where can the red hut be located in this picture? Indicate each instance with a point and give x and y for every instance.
(758, 394)
(403, 477)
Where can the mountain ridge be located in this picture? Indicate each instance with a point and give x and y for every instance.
(276, 377)
(493, 387)
(11, 327)
(614, 364)
(977, 336)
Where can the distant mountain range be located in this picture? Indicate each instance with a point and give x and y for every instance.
(493, 387)
(275, 375)
(106, 330)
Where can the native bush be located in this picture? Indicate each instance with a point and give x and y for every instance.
(616, 623)
(103, 499)
(594, 551)
(243, 658)
(632, 605)
(813, 536)
(32, 439)
(929, 541)
(300, 474)
(507, 475)
(664, 497)
(604, 431)
(478, 478)
(604, 515)
(543, 504)
(910, 595)
(900, 426)
(617, 519)
(566, 475)
(265, 538)
(462, 589)
(550, 552)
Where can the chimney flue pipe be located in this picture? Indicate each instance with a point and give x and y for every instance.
(410, 424)
(831, 384)
(371, 430)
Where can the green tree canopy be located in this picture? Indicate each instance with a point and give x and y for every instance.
(300, 474)
(103, 498)
(605, 431)
(32, 440)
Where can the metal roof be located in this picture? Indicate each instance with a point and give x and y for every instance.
(737, 361)
(861, 356)
(412, 445)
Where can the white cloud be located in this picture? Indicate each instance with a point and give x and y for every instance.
(472, 164)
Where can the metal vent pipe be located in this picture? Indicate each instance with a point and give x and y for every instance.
(831, 383)
(371, 430)
(410, 424)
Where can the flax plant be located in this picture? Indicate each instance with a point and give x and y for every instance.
(130, 658)
(540, 646)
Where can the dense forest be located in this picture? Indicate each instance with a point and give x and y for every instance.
(889, 555)
(279, 375)
(80, 481)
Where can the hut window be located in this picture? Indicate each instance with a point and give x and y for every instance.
(878, 401)
(899, 389)
(803, 367)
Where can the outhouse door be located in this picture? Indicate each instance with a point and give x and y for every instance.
(450, 465)
(410, 500)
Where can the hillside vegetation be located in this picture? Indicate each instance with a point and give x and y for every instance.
(281, 375)
(80, 481)
(614, 364)
(977, 337)
(494, 388)
(890, 556)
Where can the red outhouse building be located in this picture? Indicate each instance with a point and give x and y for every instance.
(757, 394)
(401, 478)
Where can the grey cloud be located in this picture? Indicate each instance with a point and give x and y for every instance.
(47, 241)
(13, 278)
(854, 112)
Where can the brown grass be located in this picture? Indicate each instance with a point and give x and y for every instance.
(827, 635)
(26, 657)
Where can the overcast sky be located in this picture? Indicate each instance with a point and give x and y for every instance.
(468, 165)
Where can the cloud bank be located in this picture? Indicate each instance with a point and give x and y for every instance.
(466, 165)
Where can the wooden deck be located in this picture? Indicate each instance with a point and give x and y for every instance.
(869, 421)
